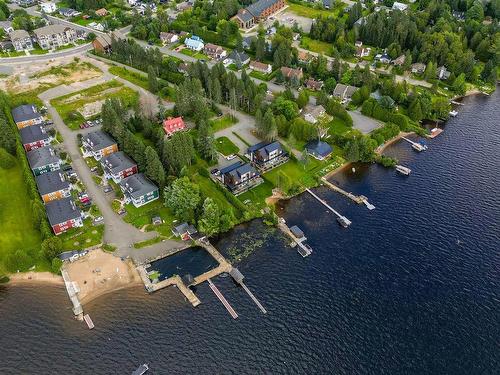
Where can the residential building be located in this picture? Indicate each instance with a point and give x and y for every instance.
(98, 145)
(358, 43)
(168, 38)
(101, 12)
(6, 26)
(399, 6)
(52, 186)
(194, 43)
(43, 160)
(34, 137)
(173, 125)
(266, 156)
(48, 7)
(384, 58)
(248, 40)
(399, 60)
(291, 73)
(443, 73)
(214, 51)
(63, 215)
(314, 85)
(25, 3)
(237, 58)
(363, 51)
(344, 92)
(418, 68)
(304, 57)
(318, 149)
(6, 45)
(256, 12)
(103, 42)
(21, 40)
(312, 113)
(68, 12)
(239, 177)
(183, 68)
(96, 26)
(260, 67)
(26, 115)
(118, 166)
(139, 190)
(55, 36)
(184, 231)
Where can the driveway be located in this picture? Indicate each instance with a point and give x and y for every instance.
(363, 123)
(244, 128)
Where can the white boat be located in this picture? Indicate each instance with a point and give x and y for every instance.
(453, 113)
(142, 369)
(403, 170)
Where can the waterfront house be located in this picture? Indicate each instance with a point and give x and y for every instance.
(43, 160)
(418, 68)
(48, 7)
(185, 231)
(291, 73)
(33, 137)
(168, 38)
(239, 177)
(139, 190)
(314, 85)
(52, 186)
(442, 73)
(173, 125)
(63, 215)
(312, 113)
(98, 145)
(118, 166)
(194, 43)
(259, 11)
(214, 51)
(237, 58)
(26, 115)
(318, 149)
(267, 155)
(55, 36)
(399, 6)
(260, 67)
(21, 40)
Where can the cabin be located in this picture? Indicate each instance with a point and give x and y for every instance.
(118, 166)
(267, 155)
(418, 68)
(214, 51)
(101, 12)
(43, 160)
(33, 137)
(363, 51)
(173, 125)
(312, 113)
(195, 43)
(63, 215)
(139, 190)
(98, 145)
(239, 177)
(26, 115)
(304, 57)
(260, 67)
(259, 11)
(399, 60)
(442, 73)
(52, 186)
(318, 149)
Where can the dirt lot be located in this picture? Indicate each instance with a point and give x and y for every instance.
(99, 273)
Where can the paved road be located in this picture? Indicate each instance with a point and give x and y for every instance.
(363, 123)
(39, 58)
(244, 127)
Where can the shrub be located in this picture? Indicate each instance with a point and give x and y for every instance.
(56, 265)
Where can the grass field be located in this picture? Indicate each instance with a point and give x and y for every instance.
(222, 123)
(261, 76)
(141, 216)
(337, 126)
(310, 12)
(225, 146)
(196, 55)
(317, 46)
(134, 77)
(16, 222)
(83, 237)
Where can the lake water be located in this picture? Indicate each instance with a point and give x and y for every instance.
(412, 287)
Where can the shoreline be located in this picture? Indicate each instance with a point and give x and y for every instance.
(34, 278)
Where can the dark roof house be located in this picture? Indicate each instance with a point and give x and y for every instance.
(50, 182)
(41, 157)
(319, 149)
(98, 140)
(62, 210)
(117, 162)
(32, 134)
(25, 112)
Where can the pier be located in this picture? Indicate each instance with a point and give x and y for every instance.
(345, 222)
(72, 290)
(238, 277)
(416, 146)
(301, 248)
(89, 321)
(359, 199)
(222, 299)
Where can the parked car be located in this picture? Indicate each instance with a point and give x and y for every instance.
(108, 188)
(93, 169)
(231, 157)
(215, 172)
(66, 167)
(122, 211)
(98, 219)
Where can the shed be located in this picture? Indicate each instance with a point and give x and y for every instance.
(297, 232)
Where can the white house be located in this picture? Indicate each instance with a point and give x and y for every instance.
(399, 6)
(194, 43)
(96, 26)
(48, 7)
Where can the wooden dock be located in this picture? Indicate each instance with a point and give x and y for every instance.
(345, 222)
(359, 199)
(259, 305)
(89, 321)
(222, 299)
(301, 248)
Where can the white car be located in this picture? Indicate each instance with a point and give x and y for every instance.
(231, 157)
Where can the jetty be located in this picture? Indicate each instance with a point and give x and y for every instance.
(416, 146)
(73, 290)
(223, 299)
(89, 321)
(345, 222)
(359, 199)
(456, 103)
(434, 133)
(297, 238)
(141, 370)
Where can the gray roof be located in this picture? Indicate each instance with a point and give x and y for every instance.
(106, 39)
(319, 148)
(51, 182)
(30, 134)
(245, 15)
(238, 169)
(50, 30)
(18, 34)
(117, 162)
(314, 110)
(61, 210)
(258, 7)
(137, 185)
(25, 112)
(98, 140)
(41, 157)
(265, 147)
(236, 55)
(5, 24)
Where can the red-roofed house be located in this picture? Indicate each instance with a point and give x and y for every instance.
(173, 125)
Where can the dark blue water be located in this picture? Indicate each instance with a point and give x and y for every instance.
(410, 288)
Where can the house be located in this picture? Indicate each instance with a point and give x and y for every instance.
(318, 149)
(194, 43)
(312, 113)
(52, 186)
(139, 190)
(260, 67)
(6, 26)
(459, 16)
(383, 58)
(360, 22)
(358, 43)
(363, 51)
(118, 166)
(54, 36)
(184, 230)
(101, 12)
(256, 12)
(314, 85)
(239, 177)
(296, 37)
(214, 51)
(173, 125)
(181, 7)
(98, 145)
(25, 3)
(26, 115)
(168, 38)
(399, 6)
(6, 45)
(21, 40)
(399, 61)
(418, 68)
(344, 92)
(34, 137)
(48, 7)
(237, 58)
(96, 26)
(290, 73)
(43, 160)
(63, 215)
(267, 155)
(271, 31)
(304, 57)
(442, 73)
(103, 42)
(68, 12)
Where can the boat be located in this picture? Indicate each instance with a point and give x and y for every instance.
(403, 170)
(142, 369)
(453, 113)
(419, 146)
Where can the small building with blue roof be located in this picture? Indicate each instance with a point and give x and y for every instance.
(318, 149)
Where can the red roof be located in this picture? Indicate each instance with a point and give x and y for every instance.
(172, 125)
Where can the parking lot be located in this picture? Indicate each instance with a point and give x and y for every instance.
(288, 18)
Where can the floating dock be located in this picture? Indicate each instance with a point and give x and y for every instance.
(89, 321)
(72, 290)
(434, 133)
(403, 170)
(359, 199)
(415, 145)
(141, 370)
(345, 222)
(301, 247)
(219, 295)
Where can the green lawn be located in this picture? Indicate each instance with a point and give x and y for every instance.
(297, 173)
(81, 238)
(222, 123)
(316, 45)
(196, 55)
(337, 126)
(310, 12)
(140, 80)
(16, 222)
(225, 146)
(261, 76)
(141, 216)
(257, 196)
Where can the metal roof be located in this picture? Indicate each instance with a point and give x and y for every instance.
(98, 140)
(30, 134)
(25, 112)
(61, 210)
(137, 185)
(41, 157)
(18, 34)
(260, 6)
(319, 148)
(117, 162)
(51, 182)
